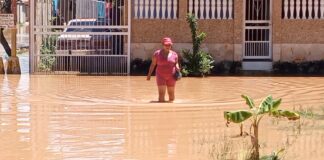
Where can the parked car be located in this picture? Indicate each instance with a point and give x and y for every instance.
(86, 40)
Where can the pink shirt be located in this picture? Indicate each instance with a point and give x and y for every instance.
(166, 66)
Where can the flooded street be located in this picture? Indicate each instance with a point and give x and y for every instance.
(108, 117)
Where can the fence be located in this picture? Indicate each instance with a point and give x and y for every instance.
(80, 36)
(303, 9)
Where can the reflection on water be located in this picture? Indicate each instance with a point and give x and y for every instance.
(89, 117)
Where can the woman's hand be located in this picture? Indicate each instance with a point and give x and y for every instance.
(152, 66)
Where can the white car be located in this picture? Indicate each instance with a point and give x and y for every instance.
(84, 40)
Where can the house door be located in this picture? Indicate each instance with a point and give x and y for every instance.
(257, 30)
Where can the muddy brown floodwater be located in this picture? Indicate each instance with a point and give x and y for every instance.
(106, 117)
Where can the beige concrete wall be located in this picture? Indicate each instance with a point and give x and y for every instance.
(276, 21)
(298, 52)
(238, 30)
(297, 40)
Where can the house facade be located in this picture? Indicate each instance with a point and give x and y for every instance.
(256, 32)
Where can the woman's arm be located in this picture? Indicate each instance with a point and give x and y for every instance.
(152, 66)
(177, 64)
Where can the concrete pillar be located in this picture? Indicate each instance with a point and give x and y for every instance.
(13, 62)
(238, 30)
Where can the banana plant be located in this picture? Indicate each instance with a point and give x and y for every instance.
(268, 106)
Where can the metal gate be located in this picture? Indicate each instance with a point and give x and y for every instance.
(257, 29)
(80, 36)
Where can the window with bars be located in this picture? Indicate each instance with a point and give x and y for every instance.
(211, 9)
(156, 9)
(303, 9)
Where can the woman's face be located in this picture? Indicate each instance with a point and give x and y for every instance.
(167, 47)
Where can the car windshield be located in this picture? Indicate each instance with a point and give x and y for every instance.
(86, 23)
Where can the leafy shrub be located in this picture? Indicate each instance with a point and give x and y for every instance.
(227, 67)
(47, 50)
(311, 67)
(196, 62)
(139, 66)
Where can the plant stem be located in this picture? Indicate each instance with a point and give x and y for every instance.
(241, 129)
(255, 141)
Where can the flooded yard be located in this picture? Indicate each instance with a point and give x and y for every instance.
(107, 117)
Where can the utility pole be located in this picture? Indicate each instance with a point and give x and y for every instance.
(14, 30)
(13, 62)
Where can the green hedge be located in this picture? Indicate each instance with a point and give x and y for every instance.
(227, 67)
(140, 66)
(307, 68)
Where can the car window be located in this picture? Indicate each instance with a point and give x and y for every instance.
(79, 30)
(87, 23)
(83, 23)
(100, 30)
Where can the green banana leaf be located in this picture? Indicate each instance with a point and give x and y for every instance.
(237, 116)
(273, 156)
(249, 101)
(284, 113)
(268, 105)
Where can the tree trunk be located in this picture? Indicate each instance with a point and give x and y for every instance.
(255, 142)
(4, 43)
(2, 70)
(241, 130)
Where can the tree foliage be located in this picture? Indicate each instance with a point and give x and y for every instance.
(196, 62)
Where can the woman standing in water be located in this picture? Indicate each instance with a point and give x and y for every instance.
(167, 64)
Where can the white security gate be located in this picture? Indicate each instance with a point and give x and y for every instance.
(257, 32)
(80, 36)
